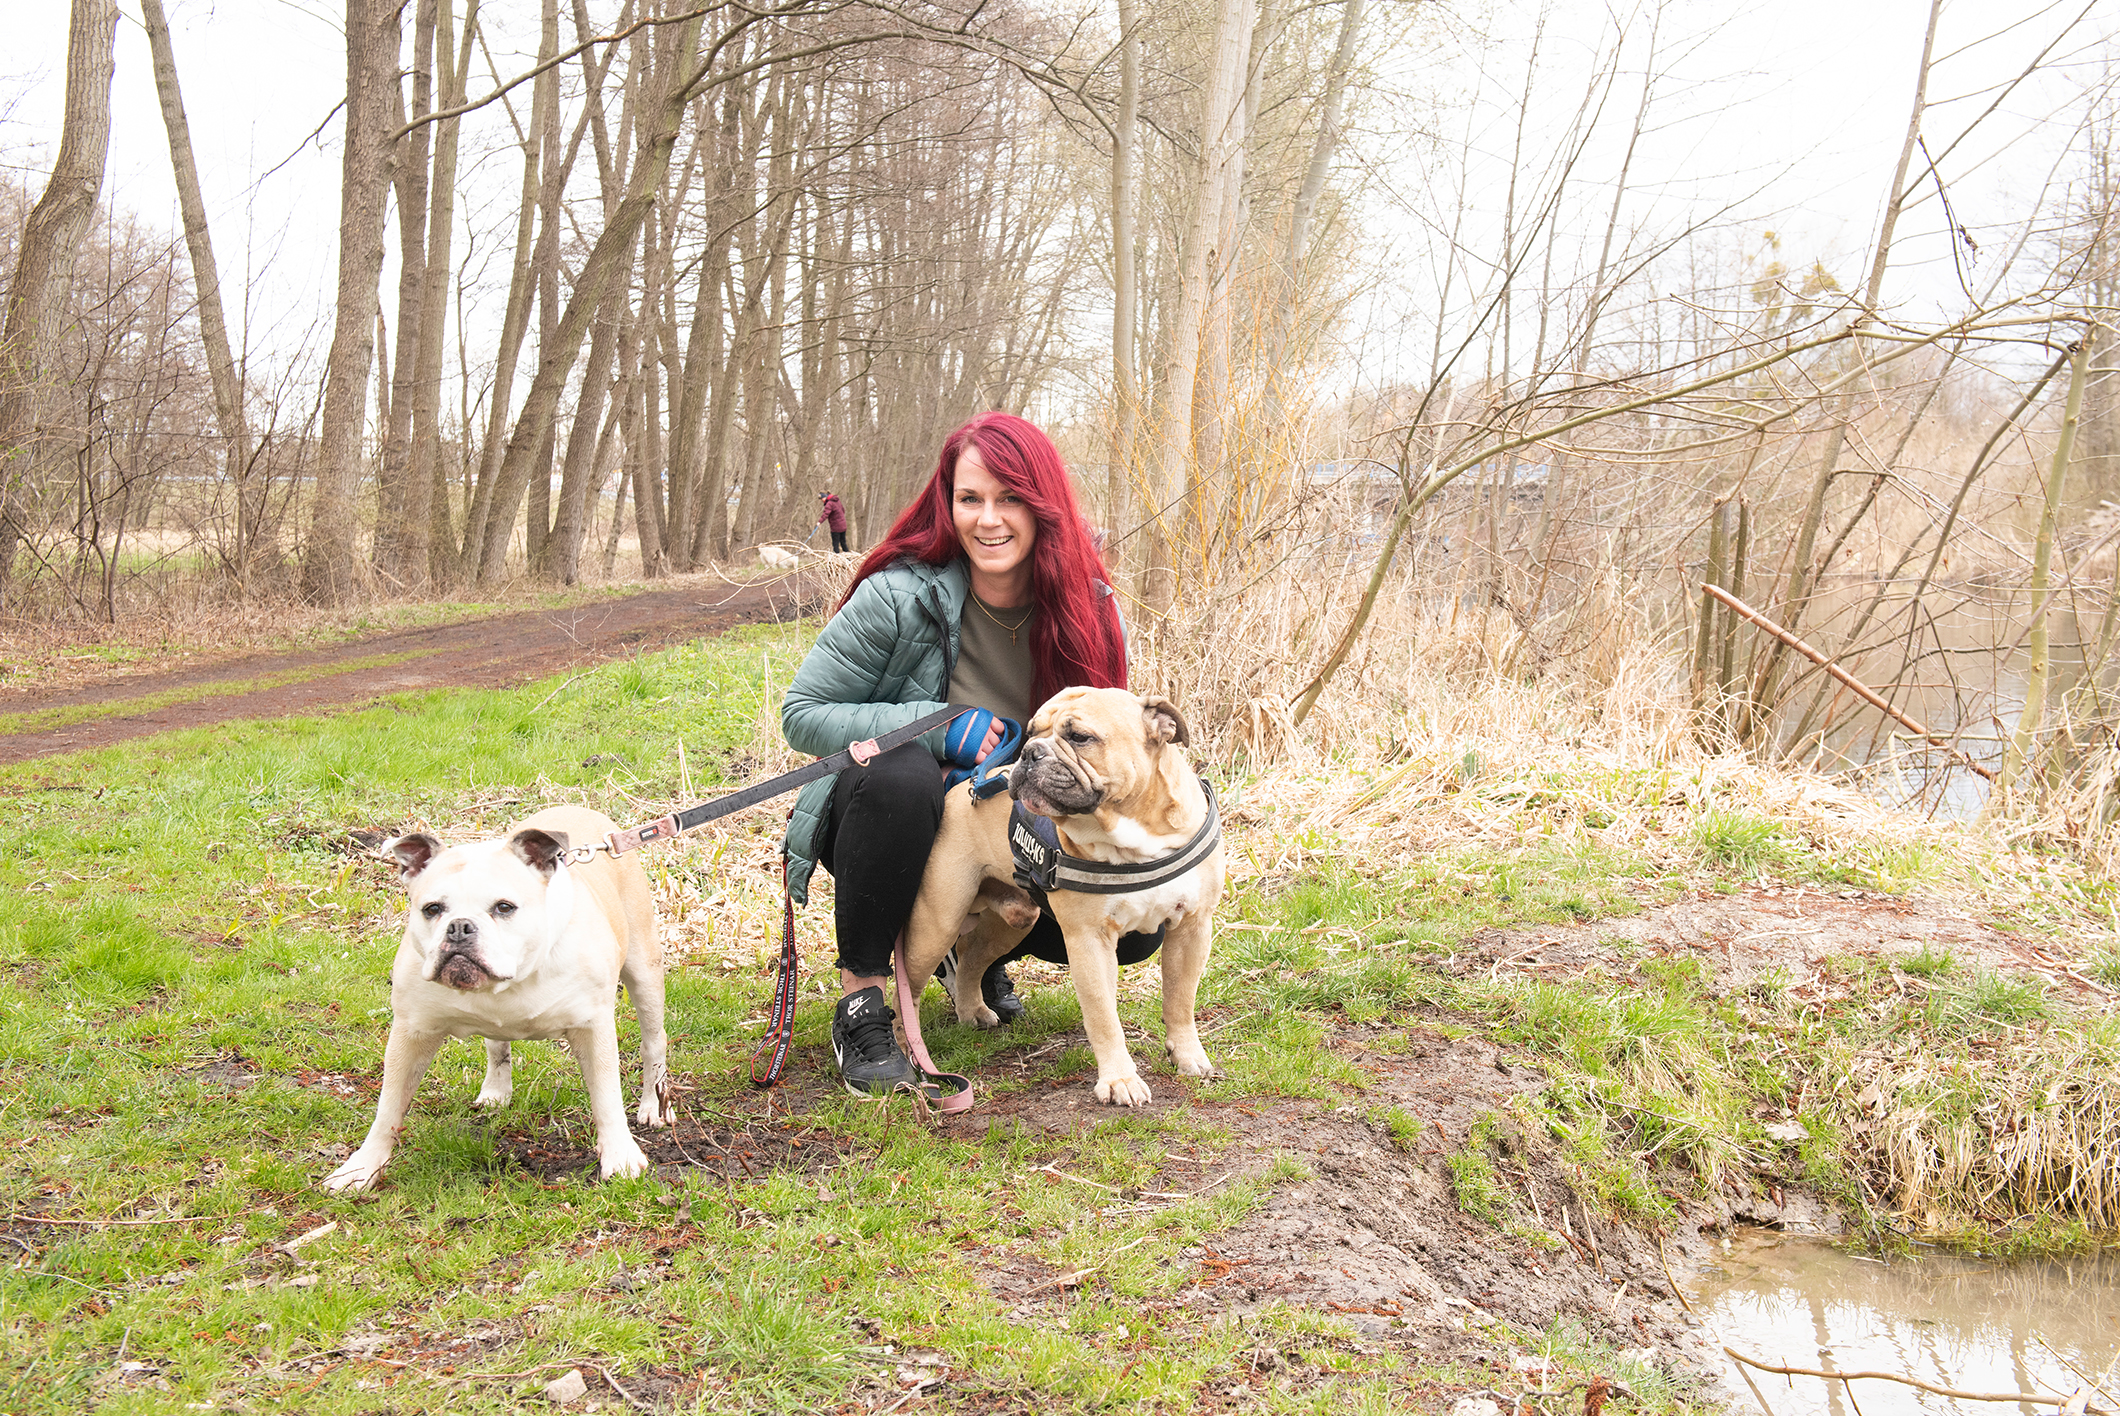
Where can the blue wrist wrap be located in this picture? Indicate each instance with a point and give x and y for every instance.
(963, 738)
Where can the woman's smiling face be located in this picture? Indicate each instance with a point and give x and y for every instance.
(996, 529)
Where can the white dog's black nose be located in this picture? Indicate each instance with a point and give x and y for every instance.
(460, 931)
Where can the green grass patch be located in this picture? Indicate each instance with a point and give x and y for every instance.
(193, 998)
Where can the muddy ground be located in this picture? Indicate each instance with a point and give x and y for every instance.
(495, 652)
(1374, 1234)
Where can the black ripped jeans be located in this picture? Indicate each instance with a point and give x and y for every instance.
(883, 824)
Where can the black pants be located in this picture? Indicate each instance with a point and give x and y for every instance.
(883, 824)
(839, 540)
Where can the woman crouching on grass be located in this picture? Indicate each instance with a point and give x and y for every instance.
(987, 593)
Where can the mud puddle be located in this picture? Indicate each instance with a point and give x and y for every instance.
(1971, 1325)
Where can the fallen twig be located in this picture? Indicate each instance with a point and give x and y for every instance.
(2032, 1398)
(917, 1387)
(631, 1400)
(1665, 1260)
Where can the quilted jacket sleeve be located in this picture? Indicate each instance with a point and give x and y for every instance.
(859, 680)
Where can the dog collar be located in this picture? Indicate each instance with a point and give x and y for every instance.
(1042, 867)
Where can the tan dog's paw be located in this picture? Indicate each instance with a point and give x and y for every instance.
(357, 1174)
(981, 1017)
(1192, 1062)
(625, 1160)
(1123, 1091)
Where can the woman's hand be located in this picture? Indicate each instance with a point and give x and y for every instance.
(992, 740)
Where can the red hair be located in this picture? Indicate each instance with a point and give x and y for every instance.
(1075, 640)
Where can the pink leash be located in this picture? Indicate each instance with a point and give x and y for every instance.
(931, 1081)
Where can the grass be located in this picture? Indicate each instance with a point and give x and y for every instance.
(192, 999)
(193, 996)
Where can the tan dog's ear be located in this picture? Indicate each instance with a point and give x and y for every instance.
(412, 853)
(540, 850)
(1165, 722)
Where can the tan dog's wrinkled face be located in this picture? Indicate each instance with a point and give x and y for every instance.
(480, 913)
(1093, 751)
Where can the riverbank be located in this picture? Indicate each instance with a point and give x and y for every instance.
(1513, 1016)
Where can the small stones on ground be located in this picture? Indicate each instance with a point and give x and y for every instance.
(566, 1390)
(1474, 1406)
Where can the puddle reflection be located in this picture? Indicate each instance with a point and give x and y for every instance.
(1975, 1325)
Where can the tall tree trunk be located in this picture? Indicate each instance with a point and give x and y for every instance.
(430, 530)
(249, 550)
(515, 324)
(606, 264)
(1210, 416)
(1304, 214)
(537, 518)
(1221, 116)
(561, 558)
(372, 42)
(396, 541)
(44, 263)
(1126, 381)
(2025, 739)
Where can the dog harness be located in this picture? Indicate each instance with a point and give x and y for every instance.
(1042, 867)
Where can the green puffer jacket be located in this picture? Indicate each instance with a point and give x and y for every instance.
(882, 662)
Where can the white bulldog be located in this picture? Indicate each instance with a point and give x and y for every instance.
(504, 941)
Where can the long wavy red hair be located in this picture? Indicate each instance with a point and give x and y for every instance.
(1075, 640)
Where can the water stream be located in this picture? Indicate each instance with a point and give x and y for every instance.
(1974, 1325)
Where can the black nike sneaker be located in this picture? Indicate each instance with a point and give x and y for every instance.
(870, 1061)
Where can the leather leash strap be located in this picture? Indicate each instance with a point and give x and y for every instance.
(780, 1025)
(780, 1028)
(931, 1081)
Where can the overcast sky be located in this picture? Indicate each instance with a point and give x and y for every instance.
(1793, 110)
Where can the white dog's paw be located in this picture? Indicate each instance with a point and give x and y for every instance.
(658, 1105)
(1192, 1062)
(357, 1174)
(625, 1159)
(1123, 1091)
(495, 1094)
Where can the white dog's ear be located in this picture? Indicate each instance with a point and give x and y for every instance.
(1165, 722)
(540, 850)
(413, 853)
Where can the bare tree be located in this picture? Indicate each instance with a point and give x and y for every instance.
(251, 546)
(372, 43)
(1221, 137)
(36, 297)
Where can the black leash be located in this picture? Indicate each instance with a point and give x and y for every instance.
(664, 827)
(780, 1027)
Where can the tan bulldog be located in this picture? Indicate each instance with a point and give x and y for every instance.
(506, 940)
(1108, 767)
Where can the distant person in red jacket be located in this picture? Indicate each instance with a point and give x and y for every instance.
(834, 514)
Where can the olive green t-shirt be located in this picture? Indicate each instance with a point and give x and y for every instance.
(992, 672)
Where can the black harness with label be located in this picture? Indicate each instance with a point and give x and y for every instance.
(1043, 867)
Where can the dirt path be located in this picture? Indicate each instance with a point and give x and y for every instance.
(494, 652)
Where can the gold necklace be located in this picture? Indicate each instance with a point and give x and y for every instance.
(1011, 628)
